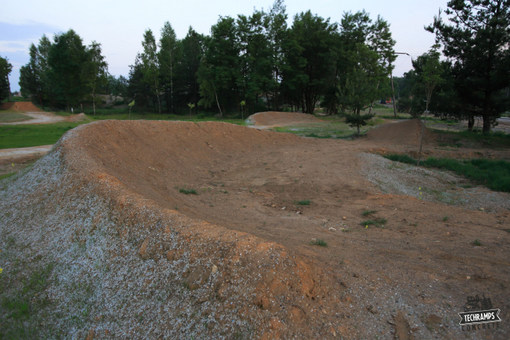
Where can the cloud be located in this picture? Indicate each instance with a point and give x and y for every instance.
(7, 46)
(30, 30)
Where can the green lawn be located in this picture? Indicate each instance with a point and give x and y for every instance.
(20, 136)
(8, 117)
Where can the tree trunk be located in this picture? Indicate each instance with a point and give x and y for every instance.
(172, 88)
(94, 100)
(422, 128)
(372, 103)
(218, 102)
(393, 97)
(486, 124)
(471, 122)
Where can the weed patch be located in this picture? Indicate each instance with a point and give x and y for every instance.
(477, 243)
(378, 222)
(304, 202)
(368, 213)
(318, 242)
(495, 174)
(188, 191)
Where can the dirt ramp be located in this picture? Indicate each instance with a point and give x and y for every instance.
(20, 107)
(273, 118)
(401, 133)
(119, 265)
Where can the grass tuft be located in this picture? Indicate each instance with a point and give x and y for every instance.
(303, 202)
(477, 243)
(318, 242)
(368, 212)
(378, 222)
(188, 191)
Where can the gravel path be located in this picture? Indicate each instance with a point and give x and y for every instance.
(39, 118)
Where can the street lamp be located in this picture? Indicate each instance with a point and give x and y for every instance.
(393, 86)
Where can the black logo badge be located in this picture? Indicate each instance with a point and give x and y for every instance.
(479, 311)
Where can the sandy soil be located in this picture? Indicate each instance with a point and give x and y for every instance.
(239, 241)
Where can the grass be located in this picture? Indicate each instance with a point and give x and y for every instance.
(378, 222)
(477, 243)
(7, 175)
(21, 299)
(19, 136)
(303, 202)
(318, 242)
(495, 174)
(368, 213)
(333, 127)
(188, 191)
(496, 139)
(9, 117)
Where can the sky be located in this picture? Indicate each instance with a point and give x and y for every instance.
(119, 25)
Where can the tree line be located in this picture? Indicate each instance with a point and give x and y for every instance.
(259, 62)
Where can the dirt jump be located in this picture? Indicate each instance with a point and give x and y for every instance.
(212, 230)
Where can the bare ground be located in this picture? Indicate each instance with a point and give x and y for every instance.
(109, 207)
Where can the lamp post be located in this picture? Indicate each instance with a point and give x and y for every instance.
(393, 87)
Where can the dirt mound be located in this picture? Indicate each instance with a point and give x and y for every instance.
(77, 117)
(406, 132)
(281, 118)
(177, 230)
(20, 107)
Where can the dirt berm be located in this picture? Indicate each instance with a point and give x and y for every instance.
(140, 229)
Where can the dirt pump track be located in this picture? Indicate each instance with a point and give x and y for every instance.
(236, 257)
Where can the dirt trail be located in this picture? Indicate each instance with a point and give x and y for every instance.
(225, 215)
(273, 119)
(38, 116)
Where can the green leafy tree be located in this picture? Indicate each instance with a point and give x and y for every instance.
(149, 66)
(309, 60)
(116, 86)
(96, 70)
(192, 52)
(220, 74)
(429, 71)
(475, 38)
(255, 57)
(168, 56)
(34, 82)
(276, 34)
(364, 62)
(361, 84)
(67, 59)
(5, 70)
(137, 87)
(380, 40)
